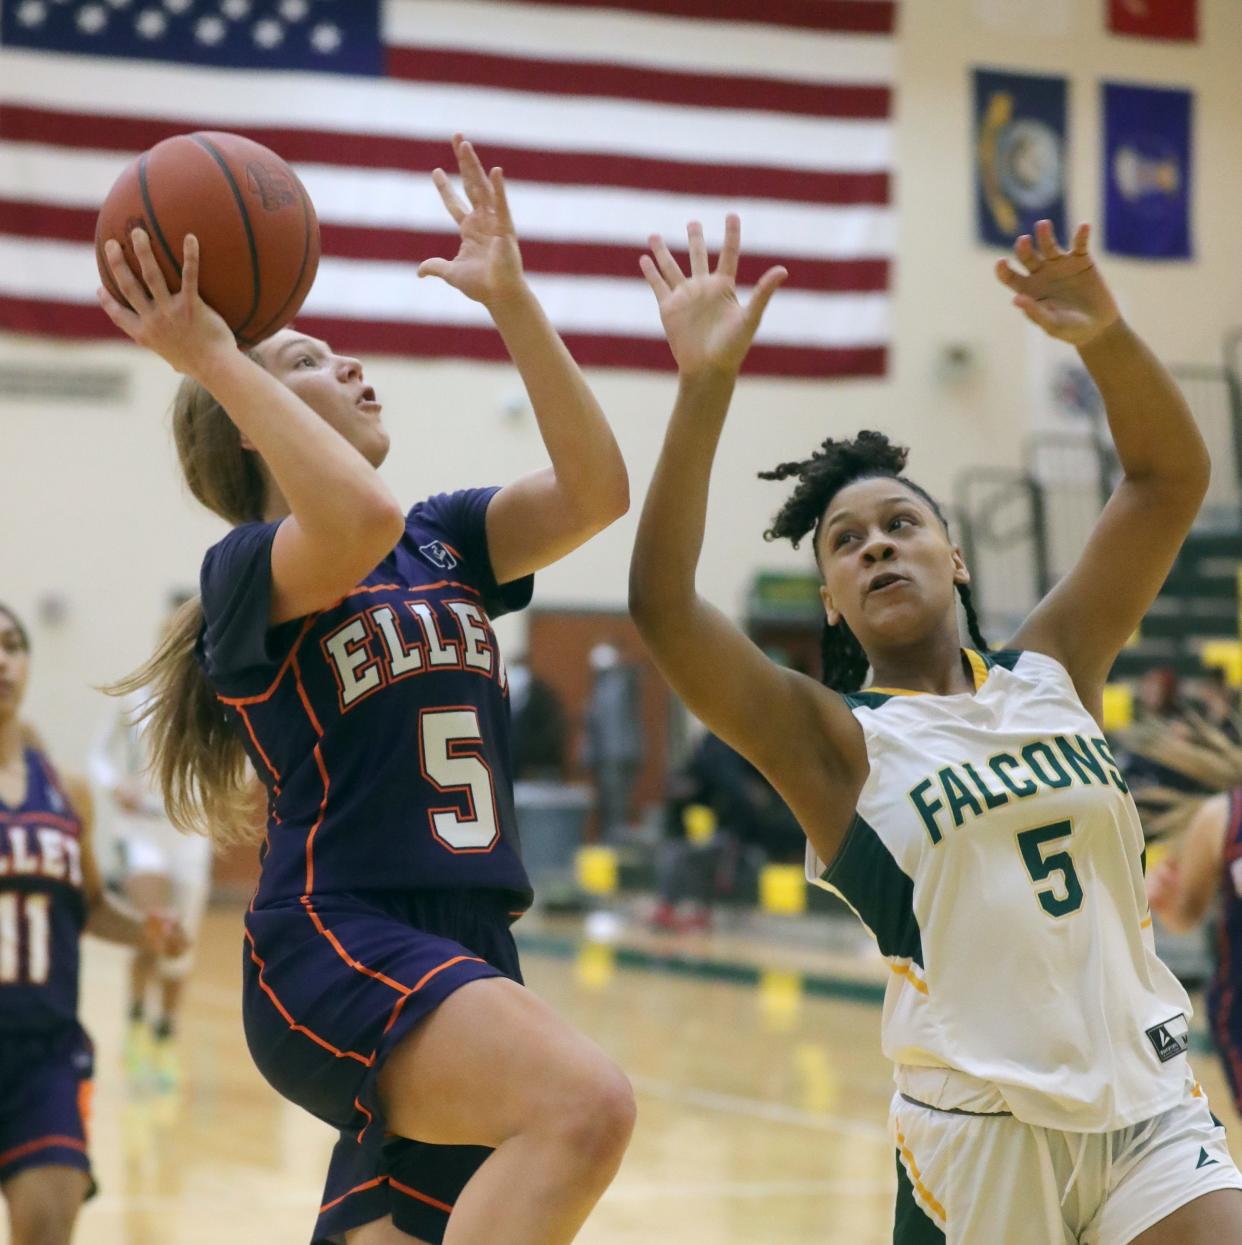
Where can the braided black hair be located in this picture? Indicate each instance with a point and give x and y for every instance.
(820, 478)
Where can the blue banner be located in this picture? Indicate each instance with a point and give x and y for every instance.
(1147, 171)
(1019, 154)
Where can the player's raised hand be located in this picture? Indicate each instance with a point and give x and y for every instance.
(180, 327)
(488, 263)
(1163, 882)
(707, 327)
(1061, 291)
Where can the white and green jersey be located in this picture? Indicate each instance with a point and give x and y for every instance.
(997, 857)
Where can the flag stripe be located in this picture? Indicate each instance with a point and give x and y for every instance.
(613, 120)
(82, 321)
(491, 116)
(386, 290)
(618, 37)
(130, 135)
(386, 198)
(73, 224)
(595, 78)
(876, 17)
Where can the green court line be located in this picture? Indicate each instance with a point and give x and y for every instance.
(817, 985)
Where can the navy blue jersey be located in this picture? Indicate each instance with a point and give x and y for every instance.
(42, 908)
(380, 725)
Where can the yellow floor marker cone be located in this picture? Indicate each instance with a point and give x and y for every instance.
(699, 823)
(782, 889)
(1227, 655)
(780, 998)
(821, 1086)
(594, 965)
(1118, 706)
(596, 869)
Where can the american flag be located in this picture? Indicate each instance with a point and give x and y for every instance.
(613, 119)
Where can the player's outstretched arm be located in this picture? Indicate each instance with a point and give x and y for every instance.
(801, 735)
(1087, 618)
(343, 518)
(1181, 887)
(107, 917)
(540, 517)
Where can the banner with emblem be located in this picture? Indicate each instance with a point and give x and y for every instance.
(1155, 19)
(1147, 171)
(1020, 137)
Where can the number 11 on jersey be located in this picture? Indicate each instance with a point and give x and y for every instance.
(29, 913)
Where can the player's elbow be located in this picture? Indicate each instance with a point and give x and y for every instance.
(606, 500)
(377, 523)
(656, 606)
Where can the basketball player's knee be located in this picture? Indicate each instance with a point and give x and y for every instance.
(41, 1219)
(596, 1121)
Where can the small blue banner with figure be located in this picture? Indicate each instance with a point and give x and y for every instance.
(1019, 154)
(1147, 171)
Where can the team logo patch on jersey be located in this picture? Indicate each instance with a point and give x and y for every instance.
(438, 554)
(1171, 1038)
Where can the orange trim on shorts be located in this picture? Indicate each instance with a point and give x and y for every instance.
(396, 1184)
(358, 1188)
(912, 1170)
(422, 1197)
(41, 1143)
(293, 1024)
(425, 978)
(349, 959)
(1146, 922)
(370, 1120)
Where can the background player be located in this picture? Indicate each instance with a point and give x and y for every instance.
(163, 871)
(351, 651)
(50, 890)
(1200, 873)
(965, 805)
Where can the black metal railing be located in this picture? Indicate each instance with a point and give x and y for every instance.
(1021, 530)
(1001, 526)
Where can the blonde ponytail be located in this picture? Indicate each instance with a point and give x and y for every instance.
(194, 754)
(202, 769)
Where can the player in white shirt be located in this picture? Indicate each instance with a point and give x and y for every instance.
(164, 871)
(964, 803)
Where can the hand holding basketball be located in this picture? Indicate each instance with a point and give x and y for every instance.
(179, 327)
(1061, 291)
(707, 327)
(488, 264)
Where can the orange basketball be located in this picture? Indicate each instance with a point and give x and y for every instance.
(256, 227)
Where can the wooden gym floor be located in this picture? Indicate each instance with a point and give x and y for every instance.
(761, 1105)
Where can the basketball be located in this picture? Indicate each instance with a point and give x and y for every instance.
(256, 226)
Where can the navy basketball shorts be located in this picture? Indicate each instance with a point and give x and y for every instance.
(332, 985)
(45, 1090)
